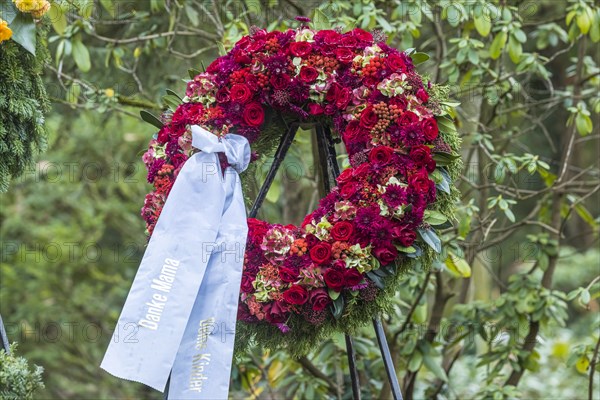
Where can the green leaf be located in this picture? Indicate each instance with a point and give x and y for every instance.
(8, 11)
(337, 307)
(435, 368)
(171, 101)
(515, 49)
(151, 119)
(58, 17)
(498, 44)
(584, 124)
(333, 294)
(419, 58)
(415, 361)
(430, 237)
(109, 6)
(434, 218)
(81, 55)
(442, 158)
(320, 21)
(483, 25)
(193, 73)
(446, 125)
(23, 29)
(458, 265)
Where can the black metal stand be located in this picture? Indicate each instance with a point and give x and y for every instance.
(3, 338)
(329, 172)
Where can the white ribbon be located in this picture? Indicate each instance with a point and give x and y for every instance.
(181, 311)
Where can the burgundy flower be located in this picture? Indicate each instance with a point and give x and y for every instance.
(288, 274)
(280, 81)
(254, 114)
(240, 92)
(349, 189)
(300, 49)
(404, 235)
(381, 155)
(394, 196)
(419, 181)
(296, 294)
(386, 253)
(421, 155)
(345, 176)
(308, 74)
(321, 253)
(422, 95)
(276, 312)
(246, 285)
(368, 118)
(342, 97)
(334, 278)
(430, 129)
(395, 63)
(352, 277)
(344, 54)
(319, 299)
(315, 109)
(342, 230)
(407, 118)
(223, 95)
(362, 36)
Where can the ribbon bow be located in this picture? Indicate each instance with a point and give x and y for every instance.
(179, 317)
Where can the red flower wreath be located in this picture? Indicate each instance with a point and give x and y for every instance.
(370, 223)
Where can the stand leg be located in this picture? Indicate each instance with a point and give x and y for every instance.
(387, 359)
(3, 338)
(352, 367)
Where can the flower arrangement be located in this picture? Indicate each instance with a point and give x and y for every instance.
(338, 268)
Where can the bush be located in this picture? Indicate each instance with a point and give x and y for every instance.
(17, 381)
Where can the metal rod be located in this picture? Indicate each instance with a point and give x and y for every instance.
(282, 149)
(387, 359)
(4, 338)
(352, 366)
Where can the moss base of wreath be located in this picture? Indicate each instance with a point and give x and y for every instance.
(302, 337)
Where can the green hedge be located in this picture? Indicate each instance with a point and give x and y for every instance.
(17, 381)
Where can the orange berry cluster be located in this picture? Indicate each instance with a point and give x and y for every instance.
(337, 248)
(328, 64)
(385, 115)
(373, 67)
(166, 169)
(299, 247)
(272, 45)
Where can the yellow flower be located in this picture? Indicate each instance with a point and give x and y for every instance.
(109, 92)
(37, 8)
(5, 31)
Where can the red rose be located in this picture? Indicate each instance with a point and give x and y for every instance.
(421, 155)
(381, 155)
(223, 95)
(321, 253)
(330, 109)
(395, 63)
(407, 118)
(319, 299)
(344, 54)
(362, 36)
(315, 109)
(386, 253)
(311, 240)
(352, 277)
(276, 312)
(361, 170)
(349, 189)
(345, 176)
(349, 41)
(242, 58)
(246, 285)
(257, 230)
(430, 129)
(300, 49)
(308, 74)
(163, 134)
(342, 230)
(240, 92)
(280, 81)
(331, 93)
(328, 36)
(178, 159)
(422, 95)
(419, 181)
(342, 97)
(334, 278)
(254, 114)
(368, 118)
(288, 274)
(404, 235)
(296, 294)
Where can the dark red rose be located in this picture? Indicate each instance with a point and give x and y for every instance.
(178, 159)
(163, 134)
(349, 189)
(408, 118)
(342, 230)
(334, 278)
(257, 229)
(276, 312)
(361, 170)
(223, 95)
(330, 109)
(430, 129)
(368, 118)
(421, 155)
(352, 277)
(329, 37)
(345, 176)
(381, 155)
(344, 54)
(288, 274)
(419, 182)
(246, 286)
(422, 95)
(319, 299)
(404, 235)
(386, 253)
(331, 93)
(296, 294)
(342, 98)
(256, 46)
(311, 240)
(349, 41)
(280, 81)
(254, 114)
(300, 49)
(308, 74)
(315, 109)
(395, 63)
(362, 36)
(240, 92)
(242, 58)
(352, 132)
(321, 253)
(307, 220)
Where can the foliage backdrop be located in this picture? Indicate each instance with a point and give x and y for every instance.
(510, 311)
